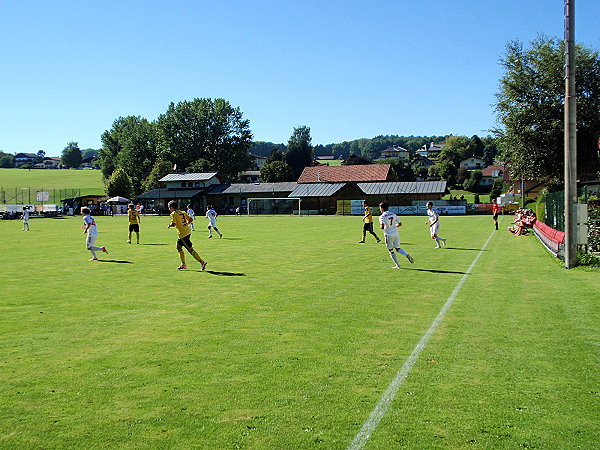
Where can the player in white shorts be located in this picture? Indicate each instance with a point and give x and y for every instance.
(89, 228)
(389, 223)
(25, 218)
(434, 225)
(211, 215)
(190, 212)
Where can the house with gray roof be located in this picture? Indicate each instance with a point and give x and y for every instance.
(321, 190)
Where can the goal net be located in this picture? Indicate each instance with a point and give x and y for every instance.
(274, 206)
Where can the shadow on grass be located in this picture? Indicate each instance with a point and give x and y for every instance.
(115, 261)
(152, 244)
(224, 274)
(227, 239)
(461, 248)
(437, 271)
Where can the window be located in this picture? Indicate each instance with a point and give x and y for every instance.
(182, 184)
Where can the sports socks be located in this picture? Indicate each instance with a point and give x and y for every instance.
(394, 258)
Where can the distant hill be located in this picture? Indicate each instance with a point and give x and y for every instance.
(369, 148)
(261, 148)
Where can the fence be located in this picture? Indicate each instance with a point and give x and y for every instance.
(31, 196)
(554, 209)
(552, 213)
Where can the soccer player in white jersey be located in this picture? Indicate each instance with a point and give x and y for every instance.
(190, 212)
(389, 223)
(89, 228)
(434, 225)
(211, 215)
(25, 218)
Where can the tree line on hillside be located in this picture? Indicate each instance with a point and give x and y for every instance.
(211, 135)
(368, 147)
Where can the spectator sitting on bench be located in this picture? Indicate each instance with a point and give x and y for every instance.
(524, 219)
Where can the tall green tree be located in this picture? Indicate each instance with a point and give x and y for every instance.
(356, 160)
(456, 148)
(489, 154)
(497, 188)
(472, 183)
(71, 155)
(119, 184)
(159, 170)
(402, 170)
(130, 144)
(299, 150)
(445, 170)
(476, 146)
(206, 129)
(530, 108)
(6, 160)
(199, 166)
(275, 172)
(275, 155)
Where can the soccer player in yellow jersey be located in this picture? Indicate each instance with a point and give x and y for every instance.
(368, 224)
(134, 222)
(181, 220)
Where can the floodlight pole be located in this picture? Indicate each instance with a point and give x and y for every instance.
(570, 138)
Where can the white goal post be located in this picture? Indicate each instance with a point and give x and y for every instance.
(274, 205)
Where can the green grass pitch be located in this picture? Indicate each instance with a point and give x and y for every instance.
(290, 337)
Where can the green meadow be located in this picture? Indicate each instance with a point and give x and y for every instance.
(23, 183)
(291, 336)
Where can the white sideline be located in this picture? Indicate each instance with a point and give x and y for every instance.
(386, 400)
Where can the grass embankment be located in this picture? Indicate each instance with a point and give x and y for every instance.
(22, 184)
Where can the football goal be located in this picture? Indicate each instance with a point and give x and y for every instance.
(274, 206)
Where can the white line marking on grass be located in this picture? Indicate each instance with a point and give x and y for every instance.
(386, 399)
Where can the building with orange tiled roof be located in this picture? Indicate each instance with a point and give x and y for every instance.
(364, 173)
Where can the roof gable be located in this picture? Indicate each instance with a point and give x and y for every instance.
(342, 174)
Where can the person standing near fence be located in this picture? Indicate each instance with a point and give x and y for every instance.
(25, 217)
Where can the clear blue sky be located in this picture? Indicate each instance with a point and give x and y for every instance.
(347, 69)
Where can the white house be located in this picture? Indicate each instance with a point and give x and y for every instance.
(48, 163)
(431, 151)
(25, 158)
(473, 162)
(490, 173)
(395, 152)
